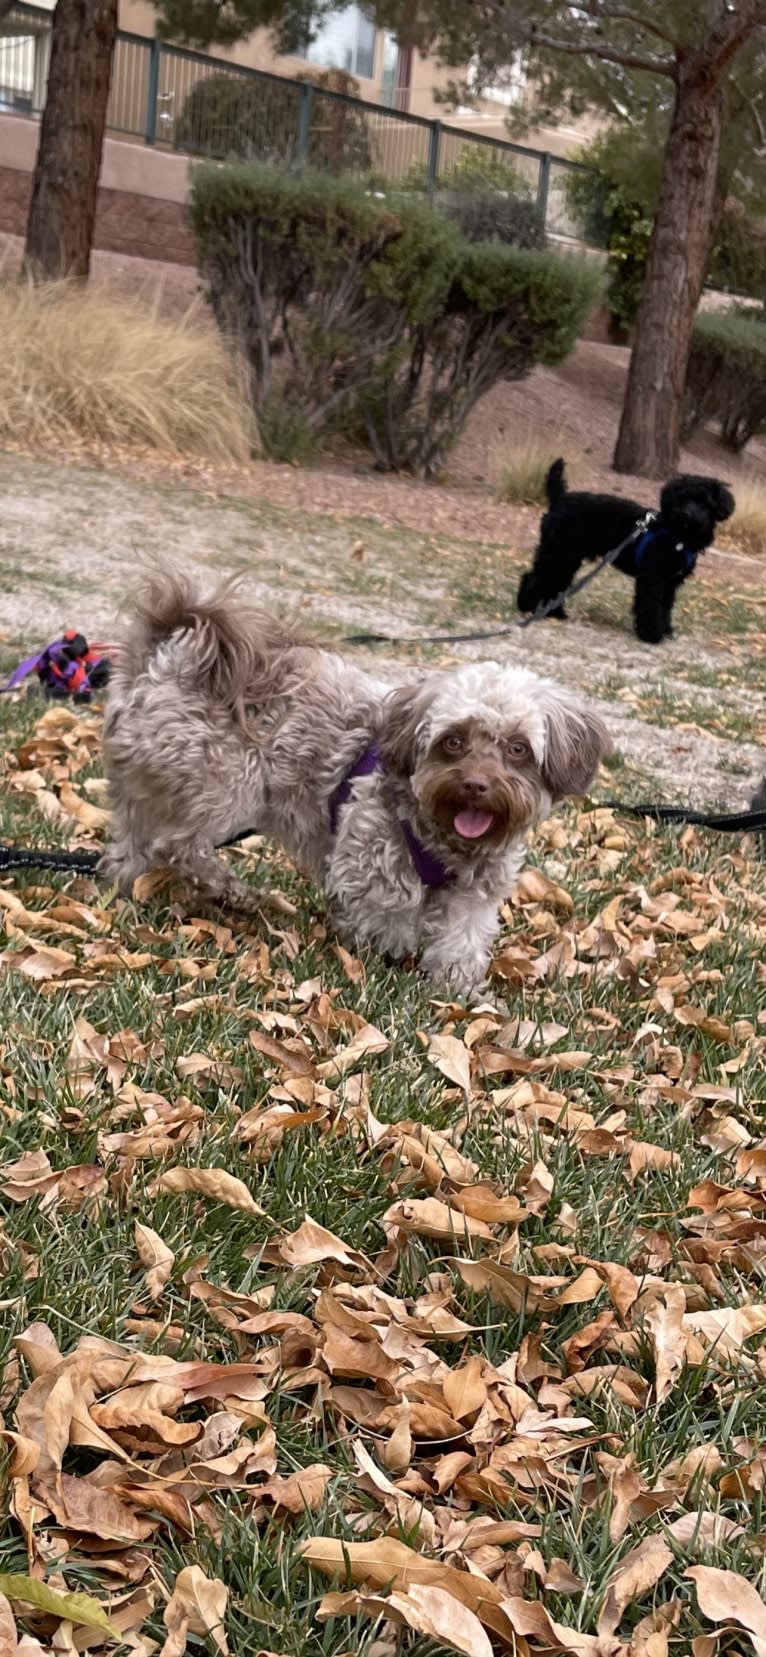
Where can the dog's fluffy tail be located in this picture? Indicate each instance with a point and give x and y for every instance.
(230, 650)
(555, 482)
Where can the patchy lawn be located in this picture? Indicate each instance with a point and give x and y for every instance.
(324, 1300)
(688, 720)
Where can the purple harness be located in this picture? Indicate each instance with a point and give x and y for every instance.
(429, 870)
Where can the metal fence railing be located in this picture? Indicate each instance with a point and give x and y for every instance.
(205, 106)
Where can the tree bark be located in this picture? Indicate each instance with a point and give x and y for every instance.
(679, 251)
(63, 207)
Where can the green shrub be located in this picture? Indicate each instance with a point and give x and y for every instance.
(613, 211)
(481, 166)
(241, 117)
(315, 283)
(487, 215)
(227, 115)
(476, 167)
(367, 317)
(506, 311)
(726, 377)
(739, 256)
(614, 200)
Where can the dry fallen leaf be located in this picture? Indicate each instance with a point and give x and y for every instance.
(155, 1256)
(703, 1529)
(388, 1563)
(664, 1324)
(366, 1041)
(639, 1570)
(426, 1610)
(452, 1058)
(311, 1243)
(299, 1492)
(465, 1389)
(8, 1640)
(428, 1217)
(202, 1601)
(727, 1597)
(214, 1183)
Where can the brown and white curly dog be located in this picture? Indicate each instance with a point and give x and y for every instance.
(409, 806)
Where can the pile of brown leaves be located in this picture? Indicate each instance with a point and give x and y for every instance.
(113, 1447)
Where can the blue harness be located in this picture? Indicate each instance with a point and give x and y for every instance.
(688, 559)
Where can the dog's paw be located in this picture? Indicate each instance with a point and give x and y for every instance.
(466, 980)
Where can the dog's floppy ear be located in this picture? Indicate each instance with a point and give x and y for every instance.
(723, 502)
(576, 741)
(401, 713)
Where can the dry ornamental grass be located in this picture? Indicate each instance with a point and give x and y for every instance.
(523, 466)
(747, 529)
(82, 364)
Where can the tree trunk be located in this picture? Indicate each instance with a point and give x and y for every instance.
(63, 207)
(679, 251)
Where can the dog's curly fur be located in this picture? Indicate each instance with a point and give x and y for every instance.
(219, 720)
(583, 525)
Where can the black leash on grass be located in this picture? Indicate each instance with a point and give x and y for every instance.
(738, 822)
(539, 614)
(82, 862)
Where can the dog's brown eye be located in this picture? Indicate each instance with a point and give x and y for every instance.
(518, 750)
(453, 744)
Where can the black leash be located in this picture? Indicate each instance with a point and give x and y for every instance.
(738, 822)
(539, 614)
(742, 822)
(74, 862)
(16, 857)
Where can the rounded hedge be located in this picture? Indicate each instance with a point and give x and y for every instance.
(726, 376)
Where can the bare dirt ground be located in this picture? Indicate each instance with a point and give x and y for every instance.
(688, 720)
(348, 548)
(575, 408)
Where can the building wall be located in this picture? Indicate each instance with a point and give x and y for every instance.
(427, 78)
(141, 198)
(255, 53)
(142, 194)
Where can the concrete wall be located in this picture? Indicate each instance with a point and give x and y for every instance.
(140, 199)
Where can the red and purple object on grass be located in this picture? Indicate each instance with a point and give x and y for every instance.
(69, 666)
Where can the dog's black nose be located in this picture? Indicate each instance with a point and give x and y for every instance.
(475, 788)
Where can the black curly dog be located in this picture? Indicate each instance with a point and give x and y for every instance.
(581, 525)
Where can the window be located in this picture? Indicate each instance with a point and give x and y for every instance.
(511, 89)
(390, 76)
(345, 40)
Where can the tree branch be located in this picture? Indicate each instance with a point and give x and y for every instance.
(607, 54)
(624, 14)
(750, 105)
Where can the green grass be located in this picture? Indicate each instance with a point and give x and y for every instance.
(87, 1278)
(660, 705)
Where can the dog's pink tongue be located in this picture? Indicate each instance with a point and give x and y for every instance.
(471, 825)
